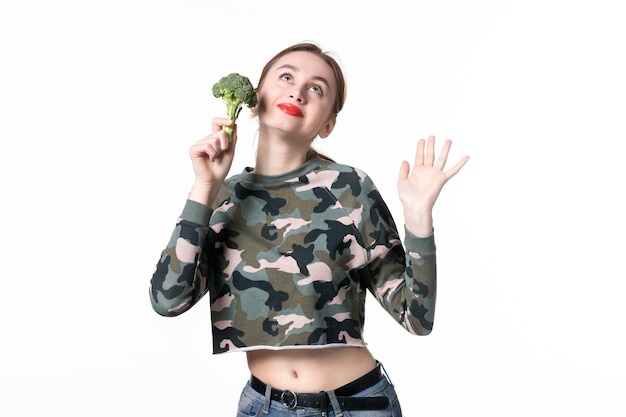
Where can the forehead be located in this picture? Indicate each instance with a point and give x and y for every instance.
(307, 64)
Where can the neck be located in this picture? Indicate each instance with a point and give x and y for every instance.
(276, 155)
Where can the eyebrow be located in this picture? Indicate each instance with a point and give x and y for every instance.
(315, 77)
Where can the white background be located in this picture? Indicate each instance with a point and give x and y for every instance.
(100, 101)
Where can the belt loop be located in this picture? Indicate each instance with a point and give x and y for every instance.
(268, 400)
(385, 374)
(335, 403)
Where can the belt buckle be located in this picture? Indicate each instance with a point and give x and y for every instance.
(289, 399)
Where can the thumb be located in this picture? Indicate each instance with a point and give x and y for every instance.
(404, 171)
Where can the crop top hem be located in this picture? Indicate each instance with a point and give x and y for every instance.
(292, 347)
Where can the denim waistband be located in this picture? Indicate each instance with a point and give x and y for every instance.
(345, 395)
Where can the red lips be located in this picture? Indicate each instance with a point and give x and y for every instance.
(290, 109)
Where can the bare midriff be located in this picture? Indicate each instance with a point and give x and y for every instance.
(310, 370)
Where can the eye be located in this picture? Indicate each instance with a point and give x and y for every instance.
(317, 90)
(286, 77)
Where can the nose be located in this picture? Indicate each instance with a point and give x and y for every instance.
(297, 95)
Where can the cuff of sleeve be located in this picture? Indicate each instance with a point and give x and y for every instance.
(196, 212)
(421, 245)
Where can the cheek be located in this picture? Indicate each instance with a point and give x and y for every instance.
(261, 106)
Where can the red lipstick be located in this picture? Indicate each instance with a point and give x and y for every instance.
(290, 109)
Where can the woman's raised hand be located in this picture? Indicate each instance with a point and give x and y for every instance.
(212, 158)
(419, 188)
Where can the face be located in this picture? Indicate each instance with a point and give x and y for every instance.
(297, 96)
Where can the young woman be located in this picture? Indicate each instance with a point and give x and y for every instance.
(288, 249)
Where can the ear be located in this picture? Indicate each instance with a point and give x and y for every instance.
(328, 127)
(255, 110)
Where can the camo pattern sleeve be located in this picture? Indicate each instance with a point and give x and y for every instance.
(175, 286)
(287, 261)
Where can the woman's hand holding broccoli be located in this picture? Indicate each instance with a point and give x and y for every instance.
(212, 158)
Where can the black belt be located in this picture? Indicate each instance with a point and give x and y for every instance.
(321, 401)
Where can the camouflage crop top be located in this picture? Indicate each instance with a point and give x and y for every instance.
(287, 261)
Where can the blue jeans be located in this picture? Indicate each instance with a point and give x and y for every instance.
(254, 404)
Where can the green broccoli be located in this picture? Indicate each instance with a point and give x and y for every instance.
(236, 90)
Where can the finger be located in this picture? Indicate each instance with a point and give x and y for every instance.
(199, 148)
(419, 153)
(456, 168)
(222, 140)
(213, 150)
(210, 146)
(218, 123)
(213, 145)
(443, 155)
(429, 160)
(203, 140)
(404, 171)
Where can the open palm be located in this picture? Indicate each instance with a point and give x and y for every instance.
(418, 188)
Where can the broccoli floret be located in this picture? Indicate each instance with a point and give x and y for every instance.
(236, 90)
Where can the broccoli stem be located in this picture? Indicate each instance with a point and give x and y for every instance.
(229, 131)
(233, 114)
